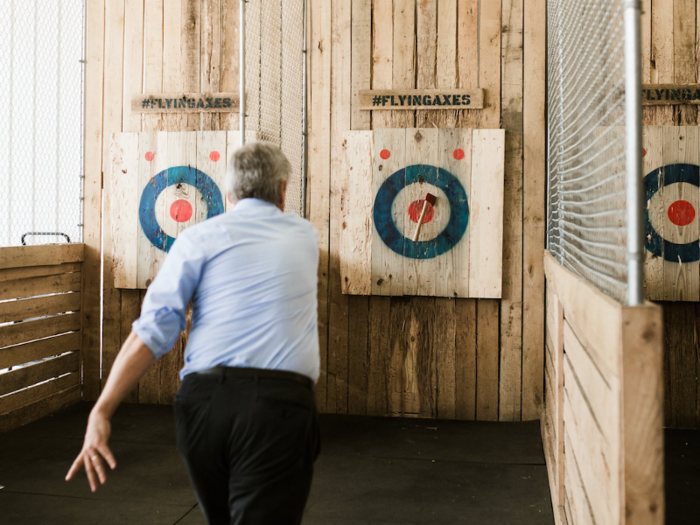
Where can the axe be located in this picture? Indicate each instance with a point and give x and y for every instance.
(429, 199)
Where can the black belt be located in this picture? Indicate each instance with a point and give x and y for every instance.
(262, 373)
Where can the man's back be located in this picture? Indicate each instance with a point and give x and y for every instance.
(253, 273)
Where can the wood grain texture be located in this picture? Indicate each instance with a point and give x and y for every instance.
(38, 372)
(487, 361)
(37, 410)
(382, 54)
(420, 99)
(45, 255)
(23, 288)
(27, 331)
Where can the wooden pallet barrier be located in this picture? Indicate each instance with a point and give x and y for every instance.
(40, 339)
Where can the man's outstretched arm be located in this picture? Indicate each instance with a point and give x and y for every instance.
(132, 362)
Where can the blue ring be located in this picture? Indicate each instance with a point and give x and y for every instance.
(653, 182)
(459, 211)
(169, 177)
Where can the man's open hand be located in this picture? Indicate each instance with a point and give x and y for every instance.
(95, 450)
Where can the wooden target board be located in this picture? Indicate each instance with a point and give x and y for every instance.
(162, 183)
(671, 157)
(386, 176)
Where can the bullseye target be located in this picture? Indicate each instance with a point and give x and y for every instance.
(672, 214)
(174, 195)
(402, 193)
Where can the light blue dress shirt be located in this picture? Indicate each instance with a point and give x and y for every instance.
(252, 276)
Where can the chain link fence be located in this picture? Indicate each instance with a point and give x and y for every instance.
(41, 121)
(275, 83)
(587, 229)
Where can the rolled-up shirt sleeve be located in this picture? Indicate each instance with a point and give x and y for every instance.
(165, 305)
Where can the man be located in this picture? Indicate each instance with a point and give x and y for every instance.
(245, 411)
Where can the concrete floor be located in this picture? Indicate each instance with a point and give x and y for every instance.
(371, 470)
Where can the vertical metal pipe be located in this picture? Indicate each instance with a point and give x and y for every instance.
(241, 68)
(305, 121)
(633, 120)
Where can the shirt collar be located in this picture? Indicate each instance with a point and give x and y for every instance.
(253, 206)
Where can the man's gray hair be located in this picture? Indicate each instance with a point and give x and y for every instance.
(256, 171)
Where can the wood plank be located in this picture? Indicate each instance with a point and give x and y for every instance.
(319, 165)
(662, 59)
(212, 155)
(380, 347)
(681, 280)
(356, 213)
(14, 274)
(124, 207)
(601, 393)
(426, 56)
(38, 372)
(490, 62)
(487, 361)
(31, 395)
(423, 316)
(210, 59)
(446, 66)
(681, 347)
(358, 348)
(402, 387)
(467, 59)
(92, 195)
(42, 408)
(510, 387)
(387, 265)
(133, 61)
(230, 57)
(452, 277)
(361, 60)
(578, 503)
(341, 96)
(555, 345)
(534, 45)
(445, 348)
(113, 101)
(599, 459)
(205, 103)
(382, 55)
(681, 93)
(421, 149)
(465, 359)
(594, 317)
(153, 56)
(420, 99)
(11, 311)
(642, 407)
(42, 255)
(17, 333)
(190, 63)
(684, 55)
(403, 61)
(653, 158)
(486, 214)
(646, 40)
(36, 350)
(50, 284)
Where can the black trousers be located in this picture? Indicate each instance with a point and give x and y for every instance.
(249, 439)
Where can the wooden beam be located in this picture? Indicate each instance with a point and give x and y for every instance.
(44, 255)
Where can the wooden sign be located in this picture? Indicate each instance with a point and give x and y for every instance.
(186, 103)
(423, 99)
(389, 174)
(671, 161)
(162, 183)
(666, 94)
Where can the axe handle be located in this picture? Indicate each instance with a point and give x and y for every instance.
(420, 221)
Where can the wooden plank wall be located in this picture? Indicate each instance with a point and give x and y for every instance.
(143, 46)
(670, 40)
(466, 359)
(40, 337)
(603, 431)
(474, 359)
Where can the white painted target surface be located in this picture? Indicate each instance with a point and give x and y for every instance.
(179, 207)
(409, 203)
(673, 212)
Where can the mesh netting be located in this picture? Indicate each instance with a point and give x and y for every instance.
(274, 58)
(586, 118)
(41, 121)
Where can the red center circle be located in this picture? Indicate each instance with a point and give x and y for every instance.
(458, 154)
(215, 156)
(149, 156)
(681, 213)
(181, 210)
(385, 154)
(415, 209)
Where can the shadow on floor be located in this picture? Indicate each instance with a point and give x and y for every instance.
(371, 470)
(682, 476)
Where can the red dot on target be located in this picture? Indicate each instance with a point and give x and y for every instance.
(149, 156)
(681, 213)
(215, 156)
(644, 152)
(385, 154)
(415, 209)
(181, 210)
(458, 154)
